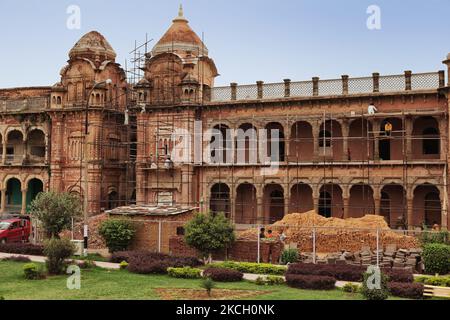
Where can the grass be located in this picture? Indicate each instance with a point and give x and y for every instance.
(100, 284)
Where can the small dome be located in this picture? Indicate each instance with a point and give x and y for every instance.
(180, 36)
(93, 44)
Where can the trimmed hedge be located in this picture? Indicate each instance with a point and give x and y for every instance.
(404, 276)
(406, 290)
(250, 267)
(185, 273)
(223, 274)
(313, 282)
(177, 262)
(22, 248)
(436, 258)
(17, 259)
(339, 272)
(434, 281)
(145, 266)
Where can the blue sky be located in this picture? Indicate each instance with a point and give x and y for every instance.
(249, 40)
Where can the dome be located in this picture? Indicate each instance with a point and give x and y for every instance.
(180, 37)
(93, 44)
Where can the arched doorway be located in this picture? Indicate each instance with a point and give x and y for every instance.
(273, 203)
(301, 199)
(35, 186)
(330, 202)
(426, 138)
(36, 145)
(220, 199)
(275, 142)
(361, 201)
(246, 144)
(113, 200)
(330, 140)
(427, 209)
(393, 204)
(301, 146)
(221, 144)
(15, 147)
(13, 195)
(390, 144)
(246, 204)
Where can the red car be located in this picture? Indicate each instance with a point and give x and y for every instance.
(15, 230)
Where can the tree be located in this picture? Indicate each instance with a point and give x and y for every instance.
(117, 234)
(209, 233)
(55, 211)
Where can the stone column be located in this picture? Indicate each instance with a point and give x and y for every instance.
(408, 75)
(377, 200)
(287, 88)
(408, 133)
(376, 82)
(233, 86)
(344, 84)
(232, 202)
(259, 85)
(3, 200)
(344, 126)
(409, 209)
(376, 136)
(4, 152)
(24, 201)
(315, 81)
(316, 131)
(316, 196)
(346, 201)
(260, 214)
(443, 138)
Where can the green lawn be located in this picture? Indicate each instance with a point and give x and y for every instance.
(103, 284)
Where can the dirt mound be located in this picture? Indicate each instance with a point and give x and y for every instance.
(95, 240)
(334, 234)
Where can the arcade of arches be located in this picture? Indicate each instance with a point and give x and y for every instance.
(16, 198)
(269, 203)
(338, 140)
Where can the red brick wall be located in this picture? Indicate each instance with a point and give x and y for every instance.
(240, 251)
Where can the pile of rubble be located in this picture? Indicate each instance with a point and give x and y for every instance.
(334, 234)
(95, 240)
(408, 259)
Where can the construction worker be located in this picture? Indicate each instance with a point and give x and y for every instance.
(388, 129)
(371, 109)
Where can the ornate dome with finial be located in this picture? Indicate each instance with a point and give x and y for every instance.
(180, 37)
(93, 45)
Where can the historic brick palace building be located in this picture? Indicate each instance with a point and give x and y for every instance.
(331, 154)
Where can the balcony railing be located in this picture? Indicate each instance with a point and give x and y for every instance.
(332, 87)
(29, 104)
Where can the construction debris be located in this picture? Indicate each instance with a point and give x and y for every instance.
(95, 240)
(336, 235)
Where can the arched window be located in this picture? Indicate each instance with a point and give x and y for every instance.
(325, 204)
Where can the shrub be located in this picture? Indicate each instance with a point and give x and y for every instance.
(404, 276)
(117, 234)
(144, 266)
(374, 294)
(436, 258)
(209, 233)
(442, 237)
(406, 290)
(350, 288)
(86, 264)
(250, 267)
(185, 273)
(32, 271)
(57, 251)
(55, 211)
(289, 256)
(223, 274)
(22, 248)
(123, 265)
(339, 272)
(208, 285)
(434, 281)
(310, 282)
(269, 281)
(118, 257)
(17, 259)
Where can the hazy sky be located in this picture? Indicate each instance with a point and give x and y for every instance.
(249, 40)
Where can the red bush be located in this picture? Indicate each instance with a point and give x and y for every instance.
(144, 265)
(399, 275)
(406, 290)
(314, 282)
(22, 248)
(172, 261)
(340, 272)
(223, 274)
